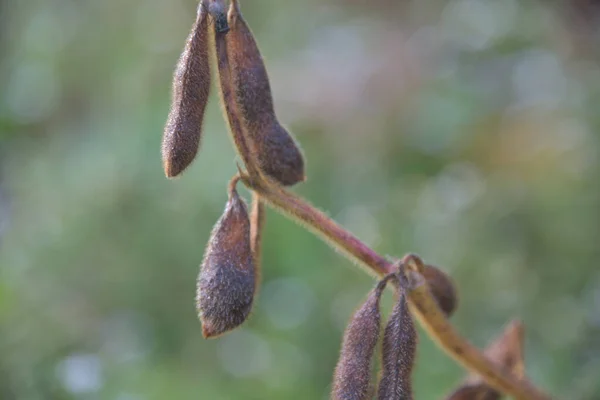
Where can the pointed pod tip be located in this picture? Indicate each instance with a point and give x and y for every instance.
(206, 332)
(209, 332)
(170, 172)
(232, 187)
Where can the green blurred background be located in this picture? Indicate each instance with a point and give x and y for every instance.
(466, 131)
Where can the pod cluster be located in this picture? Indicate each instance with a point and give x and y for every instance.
(229, 273)
(230, 270)
(352, 377)
(262, 142)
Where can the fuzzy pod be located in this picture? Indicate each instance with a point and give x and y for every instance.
(398, 354)
(442, 288)
(227, 92)
(352, 377)
(277, 154)
(227, 279)
(191, 86)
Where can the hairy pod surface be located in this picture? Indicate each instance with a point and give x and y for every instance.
(226, 282)
(191, 86)
(398, 356)
(352, 376)
(276, 152)
(442, 288)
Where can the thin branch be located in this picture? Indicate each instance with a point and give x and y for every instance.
(257, 222)
(422, 303)
(303, 212)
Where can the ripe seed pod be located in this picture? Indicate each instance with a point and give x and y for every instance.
(227, 92)
(398, 356)
(226, 283)
(276, 152)
(191, 85)
(352, 377)
(442, 288)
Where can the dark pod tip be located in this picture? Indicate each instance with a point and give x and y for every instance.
(227, 279)
(442, 288)
(216, 8)
(352, 376)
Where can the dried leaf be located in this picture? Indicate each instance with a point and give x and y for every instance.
(507, 352)
(227, 279)
(191, 86)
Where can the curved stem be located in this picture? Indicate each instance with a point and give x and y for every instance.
(421, 302)
(303, 212)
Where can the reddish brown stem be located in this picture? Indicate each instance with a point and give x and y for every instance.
(421, 302)
(303, 212)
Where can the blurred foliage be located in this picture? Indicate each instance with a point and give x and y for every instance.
(465, 131)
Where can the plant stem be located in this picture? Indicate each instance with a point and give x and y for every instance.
(421, 302)
(314, 219)
(257, 223)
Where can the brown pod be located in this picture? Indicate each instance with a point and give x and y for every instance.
(226, 282)
(352, 377)
(230, 107)
(275, 150)
(191, 84)
(398, 356)
(441, 287)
